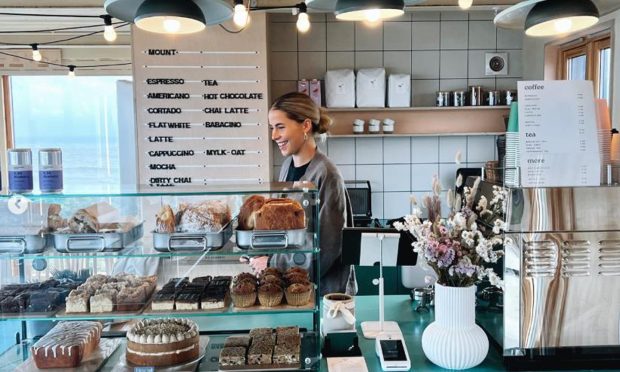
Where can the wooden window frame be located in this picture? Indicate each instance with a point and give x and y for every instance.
(591, 48)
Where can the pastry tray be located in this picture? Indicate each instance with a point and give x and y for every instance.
(271, 239)
(97, 242)
(20, 244)
(192, 241)
(92, 362)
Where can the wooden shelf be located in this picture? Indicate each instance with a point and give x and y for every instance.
(399, 135)
(379, 109)
(424, 121)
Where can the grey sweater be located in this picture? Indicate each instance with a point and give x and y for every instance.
(334, 213)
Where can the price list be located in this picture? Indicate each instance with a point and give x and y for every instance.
(201, 107)
(558, 134)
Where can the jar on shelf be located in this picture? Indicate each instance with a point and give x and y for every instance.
(20, 171)
(50, 171)
(358, 126)
(374, 126)
(388, 126)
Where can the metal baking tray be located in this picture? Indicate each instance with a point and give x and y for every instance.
(190, 241)
(97, 242)
(271, 239)
(22, 244)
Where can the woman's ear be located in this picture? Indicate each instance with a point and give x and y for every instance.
(307, 125)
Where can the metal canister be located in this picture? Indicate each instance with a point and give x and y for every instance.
(510, 96)
(493, 98)
(20, 170)
(443, 99)
(50, 170)
(475, 95)
(458, 98)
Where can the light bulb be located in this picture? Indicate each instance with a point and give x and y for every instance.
(563, 25)
(303, 22)
(241, 15)
(109, 33)
(465, 4)
(172, 25)
(36, 55)
(71, 71)
(372, 15)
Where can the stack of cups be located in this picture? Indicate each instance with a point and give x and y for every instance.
(512, 159)
(358, 126)
(374, 126)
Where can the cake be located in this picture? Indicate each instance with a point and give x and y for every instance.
(66, 344)
(237, 341)
(163, 301)
(103, 301)
(189, 297)
(286, 354)
(248, 210)
(255, 332)
(280, 214)
(210, 215)
(270, 294)
(77, 301)
(215, 294)
(260, 353)
(131, 298)
(165, 220)
(287, 331)
(163, 342)
(232, 356)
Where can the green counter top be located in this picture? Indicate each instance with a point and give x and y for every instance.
(400, 308)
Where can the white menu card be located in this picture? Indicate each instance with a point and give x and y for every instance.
(558, 134)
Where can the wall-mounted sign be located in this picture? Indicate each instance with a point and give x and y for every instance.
(201, 107)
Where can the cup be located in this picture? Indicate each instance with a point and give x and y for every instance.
(374, 126)
(458, 98)
(388, 125)
(338, 312)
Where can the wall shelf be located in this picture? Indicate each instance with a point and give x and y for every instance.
(429, 121)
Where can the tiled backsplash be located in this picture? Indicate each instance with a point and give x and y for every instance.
(398, 167)
(441, 50)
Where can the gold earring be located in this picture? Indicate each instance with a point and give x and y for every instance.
(305, 137)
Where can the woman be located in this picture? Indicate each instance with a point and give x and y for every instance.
(295, 120)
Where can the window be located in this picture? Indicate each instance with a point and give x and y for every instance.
(78, 115)
(588, 59)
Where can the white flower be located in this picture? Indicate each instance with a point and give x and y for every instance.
(459, 221)
(498, 226)
(457, 157)
(459, 180)
(413, 200)
(482, 203)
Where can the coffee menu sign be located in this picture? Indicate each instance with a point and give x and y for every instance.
(558, 134)
(201, 107)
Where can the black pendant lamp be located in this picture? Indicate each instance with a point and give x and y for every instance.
(170, 17)
(556, 17)
(368, 10)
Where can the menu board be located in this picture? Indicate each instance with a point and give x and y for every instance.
(558, 134)
(201, 107)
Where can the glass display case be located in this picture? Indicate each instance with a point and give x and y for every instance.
(113, 258)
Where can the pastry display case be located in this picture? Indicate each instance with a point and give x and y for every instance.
(150, 275)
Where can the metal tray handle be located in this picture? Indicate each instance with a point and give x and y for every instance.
(99, 239)
(21, 241)
(201, 239)
(271, 239)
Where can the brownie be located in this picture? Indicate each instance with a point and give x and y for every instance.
(286, 354)
(232, 356)
(261, 332)
(292, 330)
(9, 305)
(236, 341)
(264, 339)
(202, 279)
(188, 301)
(288, 339)
(260, 353)
(42, 301)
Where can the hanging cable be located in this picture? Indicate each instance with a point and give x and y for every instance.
(58, 29)
(50, 15)
(67, 39)
(67, 66)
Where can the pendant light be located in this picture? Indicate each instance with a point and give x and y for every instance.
(556, 17)
(368, 10)
(170, 17)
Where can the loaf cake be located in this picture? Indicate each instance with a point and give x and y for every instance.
(66, 344)
(248, 210)
(210, 215)
(280, 214)
(163, 342)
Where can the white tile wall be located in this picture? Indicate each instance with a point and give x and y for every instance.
(397, 177)
(372, 173)
(369, 151)
(341, 150)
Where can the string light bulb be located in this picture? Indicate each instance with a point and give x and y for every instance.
(465, 4)
(36, 55)
(303, 21)
(108, 30)
(241, 14)
(71, 71)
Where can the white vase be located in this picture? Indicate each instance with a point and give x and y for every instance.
(454, 340)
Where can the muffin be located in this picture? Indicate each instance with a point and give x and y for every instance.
(243, 294)
(270, 294)
(296, 270)
(274, 279)
(298, 294)
(244, 276)
(296, 278)
(271, 271)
